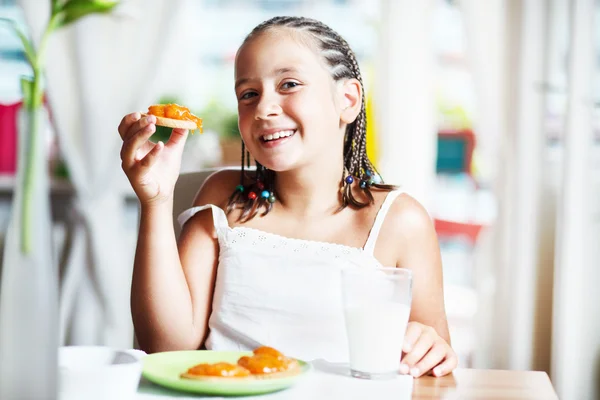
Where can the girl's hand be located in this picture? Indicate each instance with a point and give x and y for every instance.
(152, 168)
(425, 351)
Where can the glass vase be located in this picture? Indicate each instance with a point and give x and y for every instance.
(29, 278)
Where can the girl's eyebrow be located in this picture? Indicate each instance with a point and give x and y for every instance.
(285, 70)
(240, 82)
(278, 71)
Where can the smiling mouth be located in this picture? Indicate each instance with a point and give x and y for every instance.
(277, 136)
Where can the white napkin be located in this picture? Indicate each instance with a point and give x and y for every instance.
(326, 381)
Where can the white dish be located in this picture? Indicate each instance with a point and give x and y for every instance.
(98, 373)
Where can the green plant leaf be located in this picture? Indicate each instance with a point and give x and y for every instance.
(27, 89)
(55, 6)
(73, 10)
(27, 47)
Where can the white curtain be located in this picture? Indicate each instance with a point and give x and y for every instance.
(99, 69)
(404, 94)
(486, 37)
(576, 333)
(525, 144)
(542, 249)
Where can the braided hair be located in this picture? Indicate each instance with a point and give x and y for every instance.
(342, 62)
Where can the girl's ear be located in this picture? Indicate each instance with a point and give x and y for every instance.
(351, 92)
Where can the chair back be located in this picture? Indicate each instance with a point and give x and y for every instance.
(185, 191)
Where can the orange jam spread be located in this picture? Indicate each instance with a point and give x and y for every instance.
(221, 369)
(266, 360)
(268, 351)
(175, 111)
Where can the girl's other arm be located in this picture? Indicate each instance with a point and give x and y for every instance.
(419, 251)
(427, 340)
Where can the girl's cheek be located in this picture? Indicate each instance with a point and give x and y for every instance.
(243, 122)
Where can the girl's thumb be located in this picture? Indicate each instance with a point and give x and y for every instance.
(178, 137)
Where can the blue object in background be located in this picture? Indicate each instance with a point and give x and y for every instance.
(451, 155)
(455, 152)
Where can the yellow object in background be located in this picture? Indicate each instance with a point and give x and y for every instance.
(372, 139)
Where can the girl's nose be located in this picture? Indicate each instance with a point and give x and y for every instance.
(267, 108)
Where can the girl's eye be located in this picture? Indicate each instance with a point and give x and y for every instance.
(247, 95)
(289, 85)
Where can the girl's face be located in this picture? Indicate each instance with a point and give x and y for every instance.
(289, 114)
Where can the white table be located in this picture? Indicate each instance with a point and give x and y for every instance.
(325, 381)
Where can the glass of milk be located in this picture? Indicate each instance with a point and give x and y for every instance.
(376, 309)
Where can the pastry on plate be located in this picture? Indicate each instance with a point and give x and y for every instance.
(217, 371)
(266, 362)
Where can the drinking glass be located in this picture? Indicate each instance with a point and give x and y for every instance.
(377, 304)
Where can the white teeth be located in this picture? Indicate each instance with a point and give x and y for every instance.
(278, 135)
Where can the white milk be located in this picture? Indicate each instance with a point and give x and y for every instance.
(375, 336)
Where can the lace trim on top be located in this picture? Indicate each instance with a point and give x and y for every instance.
(243, 236)
(258, 240)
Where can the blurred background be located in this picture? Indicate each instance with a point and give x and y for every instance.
(488, 112)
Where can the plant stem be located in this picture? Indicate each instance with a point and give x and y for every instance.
(32, 154)
(31, 159)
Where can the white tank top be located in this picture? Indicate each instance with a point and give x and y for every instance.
(281, 292)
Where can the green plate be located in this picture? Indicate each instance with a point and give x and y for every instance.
(164, 369)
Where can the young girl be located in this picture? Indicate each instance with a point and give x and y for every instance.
(258, 259)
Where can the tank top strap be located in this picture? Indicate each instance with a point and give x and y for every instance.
(219, 217)
(369, 247)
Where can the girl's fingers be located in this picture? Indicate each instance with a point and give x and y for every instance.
(143, 150)
(126, 123)
(150, 159)
(413, 332)
(133, 144)
(447, 366)
(139, 125)
(423, 349)
(435, 355)
(424, 343)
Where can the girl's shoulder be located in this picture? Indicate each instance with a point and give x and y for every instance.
(407, 212)
(215, 190)
(407, 220)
